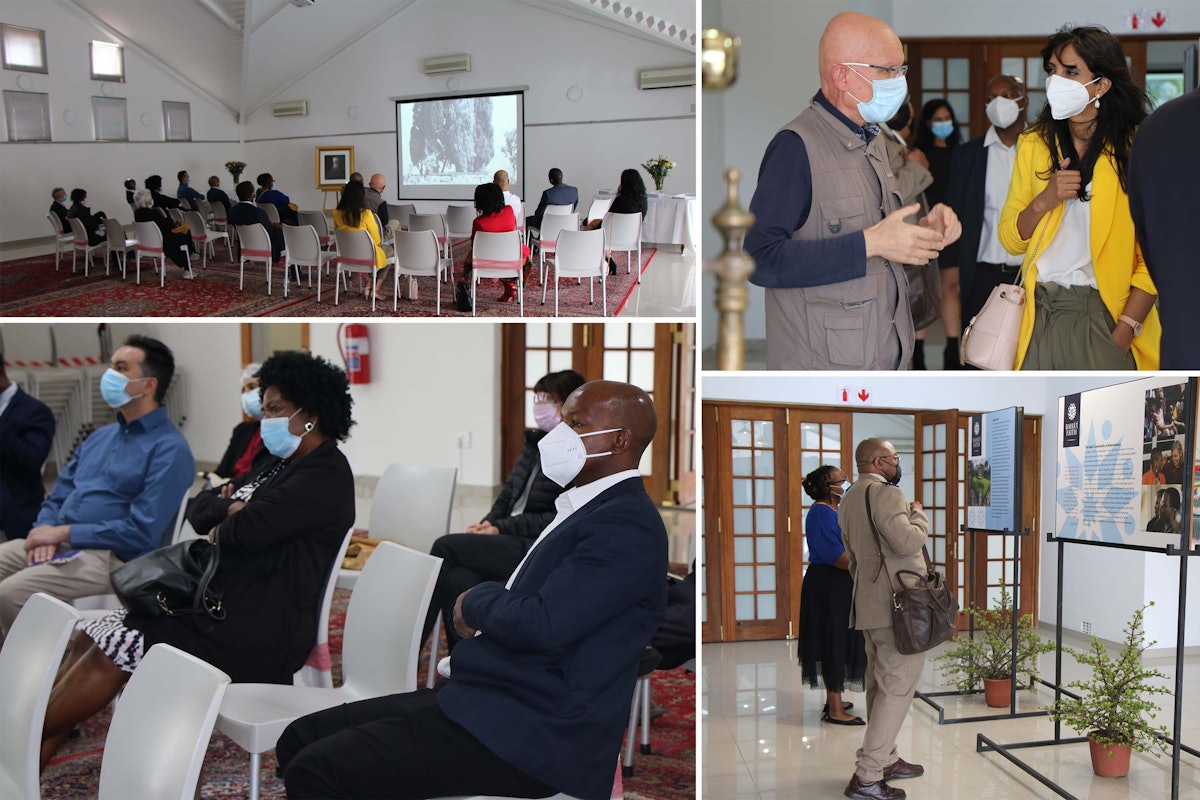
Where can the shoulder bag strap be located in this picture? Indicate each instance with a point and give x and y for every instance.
(879, 544)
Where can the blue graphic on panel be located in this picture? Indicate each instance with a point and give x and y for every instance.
(1093, 507)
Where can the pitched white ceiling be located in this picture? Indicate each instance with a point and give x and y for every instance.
(245, 53)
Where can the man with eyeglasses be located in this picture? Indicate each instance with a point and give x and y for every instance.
(883, 533)
(979, 176)
(830, 235)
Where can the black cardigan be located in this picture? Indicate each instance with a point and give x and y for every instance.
(243, 432)
(276, 554)
(539, 508)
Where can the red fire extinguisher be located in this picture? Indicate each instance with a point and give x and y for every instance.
(356, 352)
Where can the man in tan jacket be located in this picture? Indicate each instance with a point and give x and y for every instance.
(876, 505)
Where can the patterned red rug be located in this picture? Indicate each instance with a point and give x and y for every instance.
(667, 773)
(30, 287)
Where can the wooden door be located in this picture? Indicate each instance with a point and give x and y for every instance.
(936, 455)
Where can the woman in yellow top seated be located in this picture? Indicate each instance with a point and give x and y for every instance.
(351, 214)
(1089, 298)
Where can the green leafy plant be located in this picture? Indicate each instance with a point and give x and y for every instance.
(1116, 704)
(989, 654)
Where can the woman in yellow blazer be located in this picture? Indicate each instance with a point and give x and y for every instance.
(351, 215)
(1089, 299)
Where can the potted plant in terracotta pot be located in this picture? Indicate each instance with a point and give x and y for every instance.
(986, 660)
(1115, 703)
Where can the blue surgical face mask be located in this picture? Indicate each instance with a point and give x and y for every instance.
(846, 486)
(942, 130)
(278, 440)
(112, 388)
(252, 404)
(888, 95)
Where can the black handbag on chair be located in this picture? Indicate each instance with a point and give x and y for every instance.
(171, 581)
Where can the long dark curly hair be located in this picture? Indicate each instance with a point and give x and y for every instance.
(313, 384)
(818, 482)
(1122, 108)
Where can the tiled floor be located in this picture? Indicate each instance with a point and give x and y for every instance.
(762, 738)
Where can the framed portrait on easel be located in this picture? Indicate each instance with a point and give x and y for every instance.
(334, 165)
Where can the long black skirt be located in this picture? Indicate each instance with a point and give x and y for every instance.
(832, 655)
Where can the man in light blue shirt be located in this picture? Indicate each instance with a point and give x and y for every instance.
(186, 193)
(116, 499)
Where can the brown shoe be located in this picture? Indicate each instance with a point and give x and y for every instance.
(900, 768)
(872, 791)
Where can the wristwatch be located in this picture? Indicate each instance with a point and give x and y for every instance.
(1131, 322)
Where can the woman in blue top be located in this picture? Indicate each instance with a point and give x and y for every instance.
(831, 653)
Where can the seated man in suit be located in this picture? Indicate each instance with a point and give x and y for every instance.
(559, 194)
(26, 431)
(216, 194)
(538, 691)
(186, 193)
(130, 188)
(59, 207)
(154, 184)
(244, 212)
(116, 498)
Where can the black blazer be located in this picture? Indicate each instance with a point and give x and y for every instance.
(215, 195)
(243, 432)
(968, 179)
(26, 431)
(57, 210)
(546, 687)
(539, 508)
(91, 222)
(276, 554)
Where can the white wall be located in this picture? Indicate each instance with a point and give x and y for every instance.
(1101, 585)
(778, 74)
(613, 126)
(417, 403)
(73, 159)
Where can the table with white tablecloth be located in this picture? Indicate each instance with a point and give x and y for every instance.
(670, 219)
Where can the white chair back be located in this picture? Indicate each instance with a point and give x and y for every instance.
(356, 251)
(459, 219)
(412, 504)
(149, 238)
(272, 212)
(219, 215)
(428, 222)
(624, 231)
(254, 237)
(196, 226)
(497, 255)
(58, 231)
(28, 663)
(317, 671)
(318, 222)
(580, 254)
(302, 245)
(156, 749)
(553, 223)
(382, 645)
(557, 210)
(78, 232)
(599, 208)
(418, 253)
(401, 212)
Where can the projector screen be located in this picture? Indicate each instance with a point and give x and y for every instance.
(446, 146)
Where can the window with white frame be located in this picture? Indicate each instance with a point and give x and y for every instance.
(177, 121)
(111, 122)
(23, 49)
(108, 62)
(27, 115)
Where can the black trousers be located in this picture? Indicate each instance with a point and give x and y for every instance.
(986, 277)
(469, 559)
(400, 746)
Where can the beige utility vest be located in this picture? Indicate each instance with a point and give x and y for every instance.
(864, 323)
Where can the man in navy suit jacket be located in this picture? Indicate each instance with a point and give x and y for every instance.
(538, 691)
(559, 194)
(59, 207)
(26, 430)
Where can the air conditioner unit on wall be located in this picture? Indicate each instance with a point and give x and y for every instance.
(292, 108)
(458, 63)
(667, 78)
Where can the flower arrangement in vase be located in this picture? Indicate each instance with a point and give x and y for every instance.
(236, 168)
(658, 168)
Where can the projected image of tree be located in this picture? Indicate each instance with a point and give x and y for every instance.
(451, 140)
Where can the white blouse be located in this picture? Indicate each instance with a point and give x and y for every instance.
(1067, 259)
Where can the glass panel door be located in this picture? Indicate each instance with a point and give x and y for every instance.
(936, 454)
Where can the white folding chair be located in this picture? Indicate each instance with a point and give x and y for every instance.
(150, 243)
(356, 253)
(302, 248)
(381, 646)
(418, 255)
(385, 234)
(412, 506)
(624, 232)
(156, 748)
(79, 238)
(580, 254)
(118, 242)
(401, 212)
(551, 225)
(318, 669)
(319, 223)
(220, 218)
(29, 661)
(435, 223)
(599, 208)
(272, 212)
(205, 238)
(497, 255)
(60, 238)
(536, 233)
(459, 219)
(255, 246)
(176, 215)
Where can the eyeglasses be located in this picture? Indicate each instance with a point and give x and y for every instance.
(893, 460)
(892, 72)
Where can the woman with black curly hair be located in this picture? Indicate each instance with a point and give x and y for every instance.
(1089, 299)
(832, 654)
(279, 528)
(495, 216)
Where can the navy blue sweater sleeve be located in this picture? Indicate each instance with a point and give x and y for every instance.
(781, 204)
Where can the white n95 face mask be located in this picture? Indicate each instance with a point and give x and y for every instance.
(1002, 111)
(563, 453)
(1067, 97)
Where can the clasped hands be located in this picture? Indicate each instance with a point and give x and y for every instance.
(42, 542)
(898, 241)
